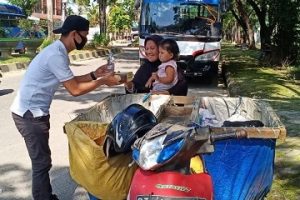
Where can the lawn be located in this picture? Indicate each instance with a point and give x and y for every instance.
(25, 58)
(252, 79)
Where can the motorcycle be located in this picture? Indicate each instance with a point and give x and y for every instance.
(169, 157)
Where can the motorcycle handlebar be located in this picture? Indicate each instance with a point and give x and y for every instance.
(229, 135)
(213, 134)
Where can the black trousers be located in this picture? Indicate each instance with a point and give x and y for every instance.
(35, 132)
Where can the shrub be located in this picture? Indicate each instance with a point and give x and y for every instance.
(101, 40)
(46, 42)
(294, 72)
(2, 32)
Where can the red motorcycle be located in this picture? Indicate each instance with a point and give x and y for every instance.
(168, 170)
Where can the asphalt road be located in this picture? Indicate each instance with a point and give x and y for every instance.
(15, 175)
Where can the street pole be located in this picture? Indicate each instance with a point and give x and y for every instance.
(50, 18)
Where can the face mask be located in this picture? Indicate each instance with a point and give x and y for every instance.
(80, 45)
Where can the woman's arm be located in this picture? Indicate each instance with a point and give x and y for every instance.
(137, 85)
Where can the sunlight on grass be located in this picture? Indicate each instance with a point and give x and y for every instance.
(255, 80)
(16, 59)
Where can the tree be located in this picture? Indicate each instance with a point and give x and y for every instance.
(93, 14)
(121, 16)
(265, 11)
(27, 5)
(243, 18)
(102, 15)
(286, 33)
(50, 18)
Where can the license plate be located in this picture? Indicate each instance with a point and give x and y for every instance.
(154, 197)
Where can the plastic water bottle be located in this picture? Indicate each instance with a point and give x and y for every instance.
(111, 62)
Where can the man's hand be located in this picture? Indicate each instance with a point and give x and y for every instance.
(102, 71)
(111, 80)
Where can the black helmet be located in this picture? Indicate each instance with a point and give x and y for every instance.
(132, 123)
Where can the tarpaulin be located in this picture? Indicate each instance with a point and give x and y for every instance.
(241, 168)
(104, 178)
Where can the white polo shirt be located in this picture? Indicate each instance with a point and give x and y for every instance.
(41, 80)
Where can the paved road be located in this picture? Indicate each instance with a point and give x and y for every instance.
(15, 178)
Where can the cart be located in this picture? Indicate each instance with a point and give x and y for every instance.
(240, 168)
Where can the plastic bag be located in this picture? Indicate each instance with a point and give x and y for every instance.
(105, 179)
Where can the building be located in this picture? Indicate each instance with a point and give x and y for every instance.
(40, 10)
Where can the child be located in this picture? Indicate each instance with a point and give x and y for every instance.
(166, 75)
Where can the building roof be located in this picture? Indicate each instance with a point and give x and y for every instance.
(11, 10)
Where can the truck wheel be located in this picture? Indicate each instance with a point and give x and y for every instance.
(214, 81)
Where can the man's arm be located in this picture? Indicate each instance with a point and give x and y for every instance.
(99, 72)
(77, 87)
(84, 78)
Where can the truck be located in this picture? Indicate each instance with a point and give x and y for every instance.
(196, 25)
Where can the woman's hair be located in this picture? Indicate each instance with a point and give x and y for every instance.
(171, 46)
(155, 38)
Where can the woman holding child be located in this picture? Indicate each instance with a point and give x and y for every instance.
(147, 76)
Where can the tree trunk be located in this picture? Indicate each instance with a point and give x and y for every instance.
(246, 25)
(265, 31)
(50, 19)
(102, 15)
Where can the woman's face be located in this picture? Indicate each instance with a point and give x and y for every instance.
(151, 51)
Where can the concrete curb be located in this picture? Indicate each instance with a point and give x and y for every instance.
(74, 57)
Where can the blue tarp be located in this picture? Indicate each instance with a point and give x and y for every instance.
(11, 10)
(241, 169)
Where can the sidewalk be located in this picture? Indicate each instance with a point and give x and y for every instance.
(87, 54)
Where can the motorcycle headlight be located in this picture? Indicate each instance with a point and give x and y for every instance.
(208, 56)
(169, 151)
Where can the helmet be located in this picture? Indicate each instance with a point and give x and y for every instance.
(133, 122)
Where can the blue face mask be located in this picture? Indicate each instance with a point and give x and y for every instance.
(80, 45)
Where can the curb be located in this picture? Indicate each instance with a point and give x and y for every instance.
(5, 68)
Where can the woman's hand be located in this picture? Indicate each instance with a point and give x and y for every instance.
(149, 82)
(102, 71)
(129, 86)
(154, 76)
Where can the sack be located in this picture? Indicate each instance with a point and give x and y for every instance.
(105, 179)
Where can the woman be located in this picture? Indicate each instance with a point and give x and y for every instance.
(137, 85)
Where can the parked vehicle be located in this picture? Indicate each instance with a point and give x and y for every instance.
(195, 25)
(164, 155)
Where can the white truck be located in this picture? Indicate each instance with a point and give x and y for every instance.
(194, 24)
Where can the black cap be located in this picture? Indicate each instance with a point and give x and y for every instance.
(73, 23)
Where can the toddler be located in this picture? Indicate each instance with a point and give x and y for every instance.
(166, 76)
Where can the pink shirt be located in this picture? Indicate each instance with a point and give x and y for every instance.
(161, 72)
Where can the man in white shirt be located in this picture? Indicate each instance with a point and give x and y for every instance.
(30, 109)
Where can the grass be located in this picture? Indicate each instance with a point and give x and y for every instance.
(17, 58)
(24, 58)
(256, 80)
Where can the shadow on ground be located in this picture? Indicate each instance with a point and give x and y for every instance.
(6, 91)
(15, 182)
